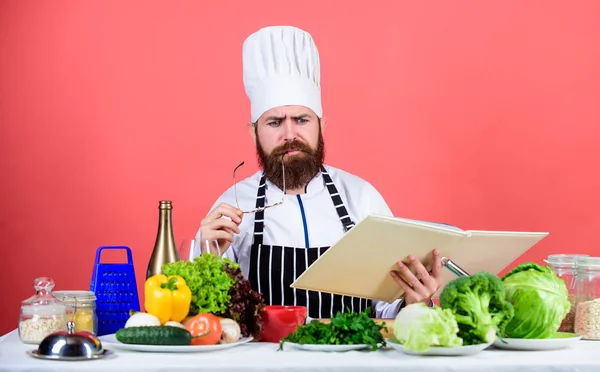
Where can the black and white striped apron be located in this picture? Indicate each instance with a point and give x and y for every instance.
(273, 268)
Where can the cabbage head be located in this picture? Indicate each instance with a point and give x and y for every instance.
(418, 327)
(540, 300)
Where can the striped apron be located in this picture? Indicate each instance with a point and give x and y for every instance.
(273, 268)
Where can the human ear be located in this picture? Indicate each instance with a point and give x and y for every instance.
(323, 123)
(252, 131)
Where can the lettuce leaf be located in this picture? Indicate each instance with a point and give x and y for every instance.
(419, 327)
(208, 280)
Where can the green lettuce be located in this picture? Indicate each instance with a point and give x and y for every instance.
(540, 300)
(418, 327)
(208, 280)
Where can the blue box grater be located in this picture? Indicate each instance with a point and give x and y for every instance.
(116, 292)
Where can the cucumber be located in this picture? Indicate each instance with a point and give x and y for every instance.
(154, 335)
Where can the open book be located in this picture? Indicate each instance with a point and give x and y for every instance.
(360, 262)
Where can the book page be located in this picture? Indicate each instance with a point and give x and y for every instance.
(359, 264)
(490, 251)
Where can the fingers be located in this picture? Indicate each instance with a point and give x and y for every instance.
(436, 267)
(422, 273)
(421, 285)
(409, 278)
(222, 224)
(409, 294)
(226, 210)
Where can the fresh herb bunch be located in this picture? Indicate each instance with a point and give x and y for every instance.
(245, 305)
(207, 279)
(344, 329)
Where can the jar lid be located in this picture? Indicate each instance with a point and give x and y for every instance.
(43, 298)
(70, 296)
(588, 263)
(565, 259)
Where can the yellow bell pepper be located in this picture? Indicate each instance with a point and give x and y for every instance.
(167, 298)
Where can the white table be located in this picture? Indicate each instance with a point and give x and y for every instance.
(585, 357)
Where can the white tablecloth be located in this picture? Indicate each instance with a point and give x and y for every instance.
(585, 357)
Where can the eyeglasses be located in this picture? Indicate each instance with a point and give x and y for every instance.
(268, 206)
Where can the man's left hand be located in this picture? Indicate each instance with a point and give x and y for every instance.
(422, 286)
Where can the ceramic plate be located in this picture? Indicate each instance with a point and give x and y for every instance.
(112, 340)
(313, 347)
(560, 340)
(441, 351)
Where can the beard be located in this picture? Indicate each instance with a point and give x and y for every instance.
(300, 168)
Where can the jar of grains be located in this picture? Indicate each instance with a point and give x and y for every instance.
(565, 267)
(587, 314)
(81, 308)
(41, 314)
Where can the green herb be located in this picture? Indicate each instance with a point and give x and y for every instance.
(208, 280)
(344, 329)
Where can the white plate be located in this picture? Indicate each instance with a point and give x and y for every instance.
(441, 351)
(112, 340)
(313, 347)
(560, 341)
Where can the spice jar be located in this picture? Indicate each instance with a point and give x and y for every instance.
(587, 314)
(565, 267)
(42, 313)
(81, 308)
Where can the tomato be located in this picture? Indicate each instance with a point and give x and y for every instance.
(205, 329)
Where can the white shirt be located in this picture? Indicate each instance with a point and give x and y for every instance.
(284, 224)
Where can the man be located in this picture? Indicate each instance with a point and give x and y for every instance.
(278, 221)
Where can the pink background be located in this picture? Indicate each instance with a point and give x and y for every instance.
(483, 114)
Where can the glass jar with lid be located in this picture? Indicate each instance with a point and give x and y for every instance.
(565, 267)
(81, 308)
(42, 313)
(587, 314)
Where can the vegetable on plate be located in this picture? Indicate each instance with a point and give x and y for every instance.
(205, 329)
(218, 287)
(139, 319)
(154, 335)
(167, 297)
(479, 306)
(344, 329)
(419, 327)
(540, 300)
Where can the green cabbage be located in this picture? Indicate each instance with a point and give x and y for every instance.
(418, 327)
(540, 300)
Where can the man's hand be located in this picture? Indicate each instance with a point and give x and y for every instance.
(219, 226)
(420, 287)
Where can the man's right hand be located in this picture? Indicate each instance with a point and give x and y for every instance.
(220, 225)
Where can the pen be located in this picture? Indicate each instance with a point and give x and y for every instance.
(454, 267)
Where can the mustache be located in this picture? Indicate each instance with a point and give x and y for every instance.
(291, 146)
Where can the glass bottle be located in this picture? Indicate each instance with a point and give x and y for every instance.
(587, 314)
(42, 313)
(81, 308)
(165, 249)
(565, 267)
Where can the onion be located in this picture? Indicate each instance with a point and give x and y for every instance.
(230, 331)
(140, 319)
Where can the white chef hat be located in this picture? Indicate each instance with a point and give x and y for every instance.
(281, 67)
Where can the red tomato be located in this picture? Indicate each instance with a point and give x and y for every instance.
(205, 329)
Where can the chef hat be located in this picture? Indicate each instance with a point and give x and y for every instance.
(281, 67)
